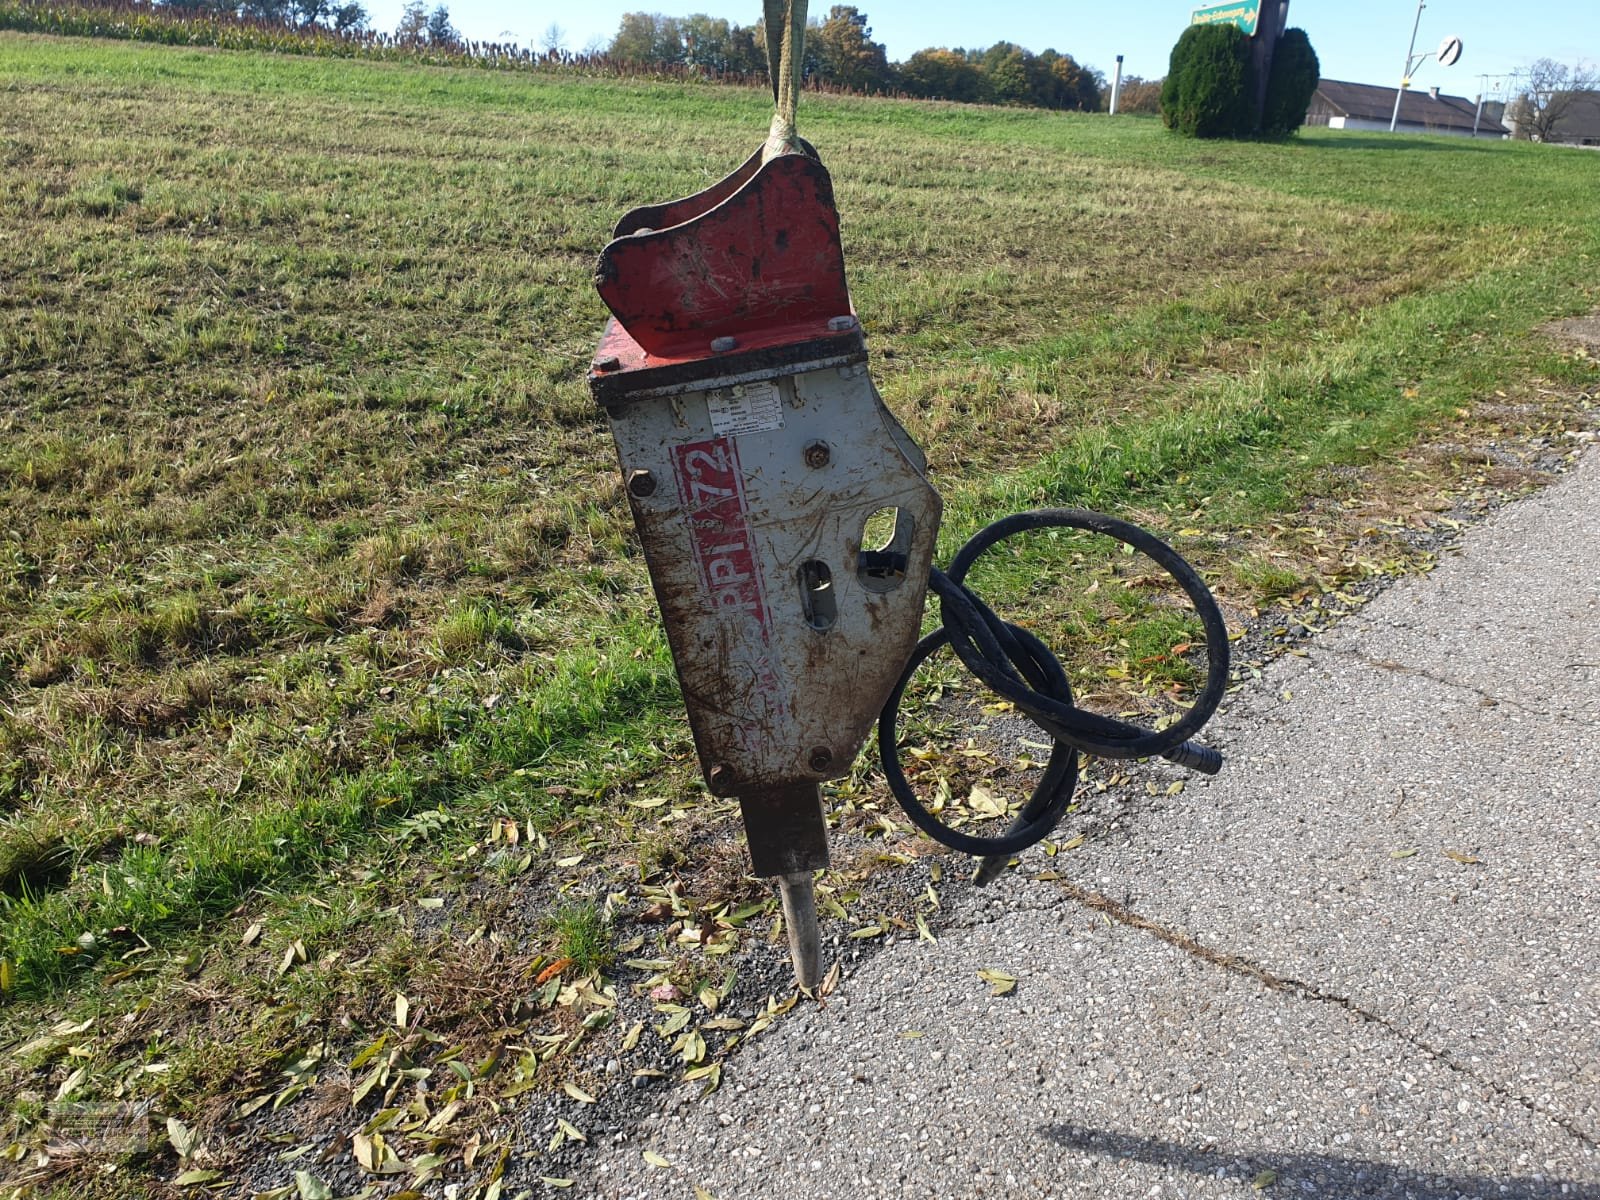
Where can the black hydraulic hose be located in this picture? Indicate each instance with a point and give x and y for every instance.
(1017, 666)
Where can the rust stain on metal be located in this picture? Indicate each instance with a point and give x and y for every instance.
(761, 254)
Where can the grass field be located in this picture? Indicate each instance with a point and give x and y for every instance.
(328, 667)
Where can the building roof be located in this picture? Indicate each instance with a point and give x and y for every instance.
(1580, 121)
(1365, 101)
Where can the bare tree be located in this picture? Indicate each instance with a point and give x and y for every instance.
(413, 25)
(553, 38)
(1552, 89)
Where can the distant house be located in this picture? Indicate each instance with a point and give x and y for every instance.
(1340, 105)
(1578, 124)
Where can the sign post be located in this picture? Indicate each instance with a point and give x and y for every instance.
(1262, 21)
(1448, 52)
(1246, 14)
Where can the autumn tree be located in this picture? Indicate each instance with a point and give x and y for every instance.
(846, 54)
(747, 50)
(942, 75)
(1138, 95)
(705, 41)
(715, 45)
(1013, 74)
(648, 38)
(1009, 71)
(1065, 84)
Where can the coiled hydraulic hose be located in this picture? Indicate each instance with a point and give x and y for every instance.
(1017, 666)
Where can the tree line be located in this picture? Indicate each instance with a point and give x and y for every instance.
(419, 26)
(340, 16)
(840, 53)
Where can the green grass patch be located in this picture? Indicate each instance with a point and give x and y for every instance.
(582, 933)
(315, 523)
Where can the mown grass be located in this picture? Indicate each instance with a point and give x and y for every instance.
(315, 576)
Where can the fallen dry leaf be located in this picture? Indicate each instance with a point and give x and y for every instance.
(550, 972)
(999, 982)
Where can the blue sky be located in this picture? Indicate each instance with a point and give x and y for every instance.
(1359, 40)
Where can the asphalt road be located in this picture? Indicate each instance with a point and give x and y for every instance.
(1363, 961)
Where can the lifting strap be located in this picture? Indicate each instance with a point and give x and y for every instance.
(785, 22)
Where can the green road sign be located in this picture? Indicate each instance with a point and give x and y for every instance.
(1246, 14)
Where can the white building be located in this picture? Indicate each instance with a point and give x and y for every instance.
(1340, 105)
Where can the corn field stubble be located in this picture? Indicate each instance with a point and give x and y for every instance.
(325, 646)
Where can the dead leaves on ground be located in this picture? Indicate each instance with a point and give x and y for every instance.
(1000, 983)
(426, 1088)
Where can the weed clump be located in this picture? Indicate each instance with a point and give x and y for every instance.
(181, 621)
(17, 767)
(393, 555)
(32, 861)
(582, 932)
(473, 628)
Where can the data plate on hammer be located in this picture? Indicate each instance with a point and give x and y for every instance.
(753, 503)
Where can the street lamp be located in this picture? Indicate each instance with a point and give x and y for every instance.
(1448, 52)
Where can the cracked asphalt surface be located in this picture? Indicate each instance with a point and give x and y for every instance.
(1362, 961)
